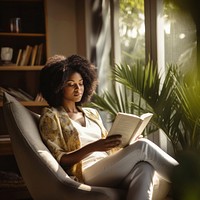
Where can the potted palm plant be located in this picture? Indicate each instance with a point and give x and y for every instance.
(172, 98)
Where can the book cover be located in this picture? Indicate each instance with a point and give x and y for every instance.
(39, 54)
(33, 55)
(19, 57)
(23, 56)
(28, 55)
(18, 93)
(129, 126)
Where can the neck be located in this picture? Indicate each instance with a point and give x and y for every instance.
(71, 109)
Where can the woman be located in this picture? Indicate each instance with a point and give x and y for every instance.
(77, 138)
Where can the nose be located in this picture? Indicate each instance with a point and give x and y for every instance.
(76, 86)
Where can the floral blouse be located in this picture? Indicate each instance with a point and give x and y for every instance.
(61, 137)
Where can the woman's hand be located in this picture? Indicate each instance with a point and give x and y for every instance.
(139, 137)
(67, 160)
(106, 144)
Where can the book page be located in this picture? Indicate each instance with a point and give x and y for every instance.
(145, 118)
(124, 125)
(129, 126)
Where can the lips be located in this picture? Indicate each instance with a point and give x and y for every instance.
(78, 94)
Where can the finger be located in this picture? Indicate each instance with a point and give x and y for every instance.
(114, 137)
(112, 143)
(139, 137)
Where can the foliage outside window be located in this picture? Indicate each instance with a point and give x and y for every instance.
(132, 30)
(175, 101)
(180, 36)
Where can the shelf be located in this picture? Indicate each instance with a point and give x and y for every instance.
(31, 103)
(20, 68)
(34, 103)
(22, 34)
(33, 33)
(5, 145)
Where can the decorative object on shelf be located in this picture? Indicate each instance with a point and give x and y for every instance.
(27, 37)
(6, 55)
(15, 25)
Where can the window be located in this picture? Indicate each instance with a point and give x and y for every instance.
(170, 33)
(180, 37)
(132, 30)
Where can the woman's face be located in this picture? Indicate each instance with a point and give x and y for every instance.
(73, 88)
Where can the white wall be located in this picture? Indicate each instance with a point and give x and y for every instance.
(61, 27)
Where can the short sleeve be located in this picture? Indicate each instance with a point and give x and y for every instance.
(51, 134)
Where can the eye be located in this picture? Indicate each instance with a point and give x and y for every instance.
(73, 85)
(69, 84)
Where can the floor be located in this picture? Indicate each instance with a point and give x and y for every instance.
(15, 194)
(12, 187)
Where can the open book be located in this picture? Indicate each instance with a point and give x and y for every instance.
(129, 126)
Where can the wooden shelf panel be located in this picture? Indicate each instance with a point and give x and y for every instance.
(20, 68)
(5, 145)
(31, 103)
(33, 32)
(34, 103)
(22, 34)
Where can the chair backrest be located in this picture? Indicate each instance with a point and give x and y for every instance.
(42, 174)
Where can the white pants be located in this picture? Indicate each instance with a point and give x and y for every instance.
(132, 167)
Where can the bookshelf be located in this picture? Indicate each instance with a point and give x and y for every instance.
(51, 23)
(23, 76)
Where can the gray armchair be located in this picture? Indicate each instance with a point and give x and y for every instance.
(44, 177)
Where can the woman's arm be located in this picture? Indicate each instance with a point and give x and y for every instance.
(68, 160)
(52, 134)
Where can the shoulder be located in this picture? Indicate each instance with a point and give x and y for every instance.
(51, 111)
(47, 117)
(94, 115)
(89, 110)
(53, 114)
(48, 112)
(91, 113)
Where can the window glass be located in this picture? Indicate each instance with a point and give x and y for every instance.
(132, 30)
(180, 36)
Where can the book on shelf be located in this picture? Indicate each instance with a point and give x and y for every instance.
(4, 138)
(129, 126)
(39, 55)
(30, 56)
(19, 57)
(22, 59)
(33, 55)
(18, 93)
(27, 95)
(24, 56)
(2, 90)
(39, 98)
